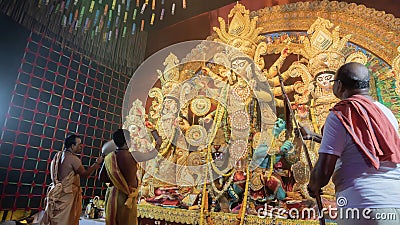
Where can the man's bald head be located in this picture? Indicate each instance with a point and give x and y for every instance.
(353, 75)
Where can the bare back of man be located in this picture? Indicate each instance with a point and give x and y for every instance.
(128, 167)
(69, 163)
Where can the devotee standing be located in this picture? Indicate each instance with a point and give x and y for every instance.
(120, 171)
(64, 196)
(361, 148)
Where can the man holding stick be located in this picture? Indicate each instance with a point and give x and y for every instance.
(360, 147)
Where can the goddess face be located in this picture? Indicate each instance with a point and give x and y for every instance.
(170, 106)
(239, 66)
(324, 80)
(133, 130)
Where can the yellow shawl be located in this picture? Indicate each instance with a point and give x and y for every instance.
(121, 185)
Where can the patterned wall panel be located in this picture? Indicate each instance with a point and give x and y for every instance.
(58, 92)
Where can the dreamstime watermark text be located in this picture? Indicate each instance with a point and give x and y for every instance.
(329, 212)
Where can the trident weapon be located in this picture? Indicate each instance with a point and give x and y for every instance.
(286, 99)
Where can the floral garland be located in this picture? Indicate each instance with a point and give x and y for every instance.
(242, 211)
(225, 127)
(203, 199)
(220, 112)
(165, 147)
(215, 189)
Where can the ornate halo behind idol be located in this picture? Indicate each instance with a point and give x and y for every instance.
(196, 135)
(200, 106)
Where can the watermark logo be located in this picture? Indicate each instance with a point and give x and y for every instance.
(330, 212)
(292, 213)
(341, 201)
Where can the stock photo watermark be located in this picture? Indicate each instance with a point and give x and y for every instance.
(328, 212)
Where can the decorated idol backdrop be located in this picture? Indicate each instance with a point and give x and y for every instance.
(58, 91)
(228, 142)
(228, 148)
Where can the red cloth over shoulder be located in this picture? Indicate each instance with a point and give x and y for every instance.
(370, 129)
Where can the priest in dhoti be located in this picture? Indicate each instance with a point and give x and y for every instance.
(119, 170)
(63, 203)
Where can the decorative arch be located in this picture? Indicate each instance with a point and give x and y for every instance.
(373, 32)
(371, 29)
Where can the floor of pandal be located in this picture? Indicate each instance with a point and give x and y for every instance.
(16, 217)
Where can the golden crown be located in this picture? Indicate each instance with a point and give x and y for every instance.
(242, 32)
(324, 48)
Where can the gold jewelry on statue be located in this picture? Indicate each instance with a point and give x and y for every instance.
(200, 106)
(241, 92)
(238, 149)
(240, 120)
(196, 135)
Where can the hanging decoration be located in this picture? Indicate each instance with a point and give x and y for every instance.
(104, 29)
(152, 18)
(173, 9)
(162, 14)
(143, 8)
